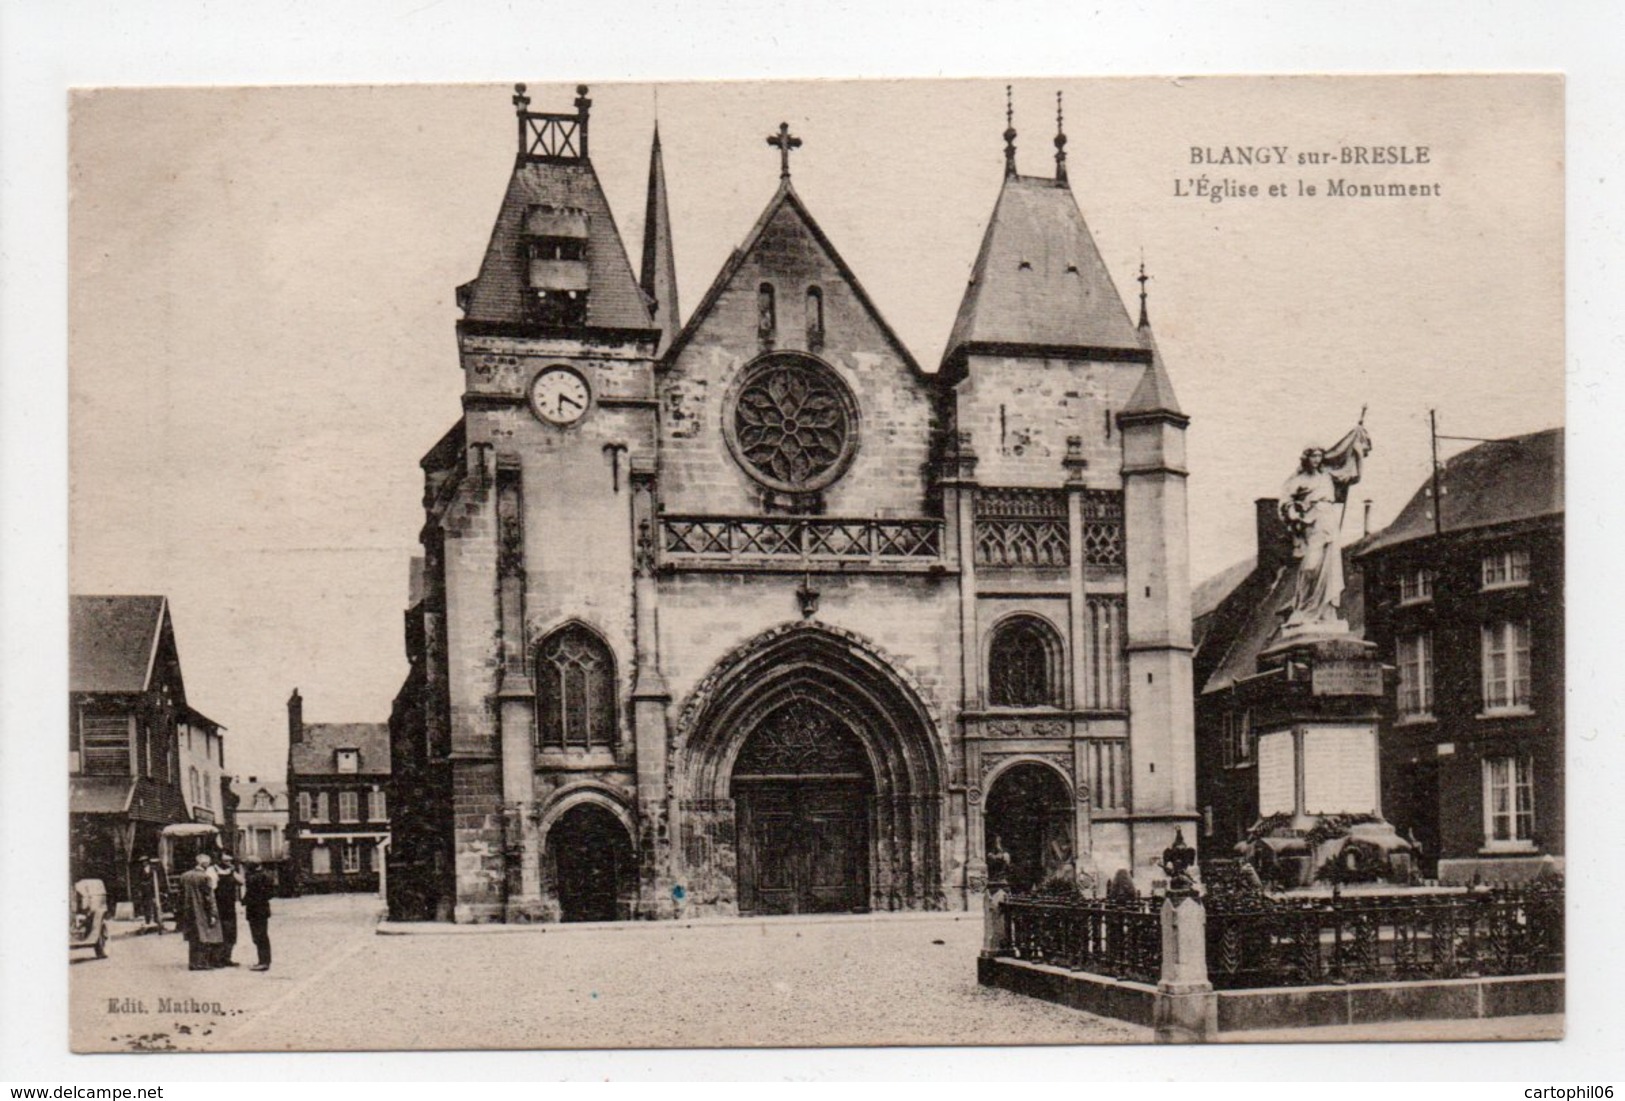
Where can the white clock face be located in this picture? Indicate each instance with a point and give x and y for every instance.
(559, 396)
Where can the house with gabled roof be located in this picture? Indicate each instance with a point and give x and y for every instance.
(127, 708)
(338, 799)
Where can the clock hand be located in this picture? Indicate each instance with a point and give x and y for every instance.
(572, 401)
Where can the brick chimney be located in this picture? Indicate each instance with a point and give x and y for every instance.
(1274, 541)
(296, 718)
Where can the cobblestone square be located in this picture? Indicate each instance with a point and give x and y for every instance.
(337, 985)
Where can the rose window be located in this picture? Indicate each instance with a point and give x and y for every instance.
(793, 424)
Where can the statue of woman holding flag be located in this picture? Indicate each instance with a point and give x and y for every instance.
(1312, 504)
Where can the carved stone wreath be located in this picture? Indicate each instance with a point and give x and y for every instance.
(792, 423)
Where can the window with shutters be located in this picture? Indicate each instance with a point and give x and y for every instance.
(321, 807)
(1509, 803)
(1024, 664)
(349, 807)
(1415, 654)
(105, 742)
(575, 691)
(304, 806)
(1504, 569)
(1506, 666)
(376, 809)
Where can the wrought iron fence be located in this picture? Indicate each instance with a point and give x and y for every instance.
(1121, 938)
(1255, 940)
(1258, 941)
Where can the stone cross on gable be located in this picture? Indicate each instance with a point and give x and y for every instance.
(785, 143)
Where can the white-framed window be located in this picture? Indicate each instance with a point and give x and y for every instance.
(1236, 745)
(1506, 665)
(321, 860)
(208, 792)
(321, 807)
(1415, 654)
(304, 806)
(349, 760)
(1509, 802)
(1415, 586)
(197, 788)
(377, 809)
(1504, 569)
(352, 858)
(349, 807)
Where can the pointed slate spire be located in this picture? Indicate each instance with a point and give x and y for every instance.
(1154, 397)
(659, 276)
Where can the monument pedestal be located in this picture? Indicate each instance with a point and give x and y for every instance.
(1315, 702)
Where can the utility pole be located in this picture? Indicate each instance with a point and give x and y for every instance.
(1438, 503)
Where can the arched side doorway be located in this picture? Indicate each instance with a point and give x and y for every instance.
(594, 870)
(806, 732)
(802, 790)
(1028, 812)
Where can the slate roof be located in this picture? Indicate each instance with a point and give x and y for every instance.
(112, 641)
(245, 792)
(1155, 394)
(497, 294)
(786, 198)
(1039, 279)
(1257, 624)
(1500, 482)
(313, 754)
(658, 277)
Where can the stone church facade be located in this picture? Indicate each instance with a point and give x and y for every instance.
(748, 613)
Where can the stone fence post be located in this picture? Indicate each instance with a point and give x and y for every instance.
(995, 939)
(1186, 1010)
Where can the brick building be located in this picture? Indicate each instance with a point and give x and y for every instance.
(338, 800)
(126, 711)
(749, 613)
(1468, 608)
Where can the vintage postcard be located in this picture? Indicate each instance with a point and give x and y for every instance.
(790, 564)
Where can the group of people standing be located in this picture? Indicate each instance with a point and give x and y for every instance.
(209, 895)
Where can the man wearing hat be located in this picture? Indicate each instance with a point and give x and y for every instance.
(227, 890)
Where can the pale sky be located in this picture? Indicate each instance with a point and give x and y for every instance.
(262, 340)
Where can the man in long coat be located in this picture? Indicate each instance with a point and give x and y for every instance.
(257, 907)
(199, 917)
(227, 888)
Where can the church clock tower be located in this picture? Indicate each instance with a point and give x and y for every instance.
(535, 503)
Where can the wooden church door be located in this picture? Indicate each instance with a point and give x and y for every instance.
(802, 789)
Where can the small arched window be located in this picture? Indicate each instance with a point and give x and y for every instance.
(767, 319)
(575, 690)
(1024, 664)
(815, 318)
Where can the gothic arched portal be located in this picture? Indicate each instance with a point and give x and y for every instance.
(802, 790)
(1028, 813)
(594, 872)
(811, 778)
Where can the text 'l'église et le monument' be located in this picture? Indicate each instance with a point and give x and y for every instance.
(1223, 173)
